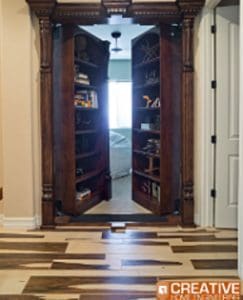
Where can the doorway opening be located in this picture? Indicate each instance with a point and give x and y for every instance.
(120, 117)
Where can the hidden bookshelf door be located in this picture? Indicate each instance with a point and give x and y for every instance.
(81, 124)
(156, 130)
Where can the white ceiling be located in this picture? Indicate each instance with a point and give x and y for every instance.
(128, 32)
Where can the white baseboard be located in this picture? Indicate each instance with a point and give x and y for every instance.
(21, 223)
(196, 219)
(1, 220)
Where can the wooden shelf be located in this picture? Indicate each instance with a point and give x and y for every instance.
(87, 155)
(151, 177)
(146, 131)
(147, 109)
(147, 63)
(85, 86)
(88, 131)
(85, 63)
(88, 176)
(80, 108)
(146, 153)
(146, 85)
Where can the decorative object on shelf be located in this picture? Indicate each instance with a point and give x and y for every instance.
(146, 187)
(152, 146)
(156, 102)
(151, 167)
(79, 172)
(151, 77)
(156, 191)
(83, 195)
(116, 35)
(150, 52)
(81, 48)
(150, 102)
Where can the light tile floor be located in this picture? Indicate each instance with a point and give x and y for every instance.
(90, 262)
(121, 202)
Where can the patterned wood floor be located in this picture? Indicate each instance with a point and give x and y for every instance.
(99, 263)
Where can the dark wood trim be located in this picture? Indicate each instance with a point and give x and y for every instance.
(1, 193)
(50, 11)
(187, 97)
(46, 121)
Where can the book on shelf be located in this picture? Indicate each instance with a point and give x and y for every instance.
(86, 98)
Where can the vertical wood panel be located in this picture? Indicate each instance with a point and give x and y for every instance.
(187, 121)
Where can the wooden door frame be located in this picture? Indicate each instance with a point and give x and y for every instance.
(50, 12)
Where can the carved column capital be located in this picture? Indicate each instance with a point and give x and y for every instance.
(42, 8)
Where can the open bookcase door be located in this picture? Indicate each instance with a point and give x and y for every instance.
(156, 111)
(82, 168)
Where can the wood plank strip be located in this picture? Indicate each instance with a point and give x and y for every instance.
(129, 235)
(73, 284)
(1, 193)
(217, 264)
(204, 248)
(117, 295)
(207, 238)
(27, 246)
(20, 236)
(78, 266)
(50, 256)
(149, 262)
(134, 242)
(19, 297)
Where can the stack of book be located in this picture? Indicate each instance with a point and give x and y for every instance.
(82, 79)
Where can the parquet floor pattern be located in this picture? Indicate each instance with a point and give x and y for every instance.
(95, 262)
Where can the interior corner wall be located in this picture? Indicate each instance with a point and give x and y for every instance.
(1, 157)
(240, 202)
(20, 113)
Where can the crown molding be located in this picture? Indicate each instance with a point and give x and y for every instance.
(91, 13)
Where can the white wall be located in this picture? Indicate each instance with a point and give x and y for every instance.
(1, 159)
(20, 114)
(240, 205)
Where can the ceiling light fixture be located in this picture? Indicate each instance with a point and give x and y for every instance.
(116, 35)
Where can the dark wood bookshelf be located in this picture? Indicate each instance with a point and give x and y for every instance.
(146, 86)
(88, 176)
(87, 154)
(85, 63)
(85, 86)
(140, 152)
(86, 131)
(85, 109)
(147, 63)
(147, 176)
(147, 109)
(77, 142)
(146, 131)
(154, 72)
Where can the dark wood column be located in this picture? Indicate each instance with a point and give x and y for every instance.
(44, 9)
(187, 121)
(46, 121)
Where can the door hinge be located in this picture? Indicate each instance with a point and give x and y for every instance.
(213, 193)
(213, 84)
(213, 29)
(213, 139)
